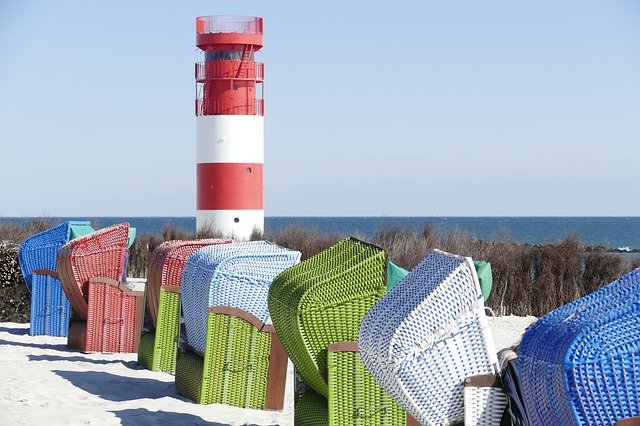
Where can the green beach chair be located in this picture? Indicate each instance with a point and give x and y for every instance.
(159, 345)
(322, 300)
(244, 364)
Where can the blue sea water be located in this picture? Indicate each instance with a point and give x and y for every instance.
(614, 232)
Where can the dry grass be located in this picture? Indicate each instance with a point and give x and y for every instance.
(527, 279)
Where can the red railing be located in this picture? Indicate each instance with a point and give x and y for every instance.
(230, 106)
(228, 24)
(222, 70)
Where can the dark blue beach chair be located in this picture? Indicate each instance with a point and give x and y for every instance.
(580, 364)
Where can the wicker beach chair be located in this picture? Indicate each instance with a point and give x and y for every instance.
(92, 273)
(159, 345)
(427, 335)
(327, 295)
(235, 356)
(50, 308)
(322, 301)
(579, 363)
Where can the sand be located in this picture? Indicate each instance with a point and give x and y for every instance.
(44, 382)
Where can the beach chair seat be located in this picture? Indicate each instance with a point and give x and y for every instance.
(224, 296)
(427, 335)
(578, 364)
(50, 309)
(159, 345)
(243, 364)
(109, 313)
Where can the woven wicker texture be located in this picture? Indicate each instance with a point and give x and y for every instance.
(311, 409)
(322, 300)
(189, 370)
(101, 254)
(580, 363)
(166, 264)
(236, 363)
(483, 405)
(236, 275)
(354, 396)
(427, 335)
(111, 320)
(164, 341)
(146, 348)
(39, 251)
(50, 308)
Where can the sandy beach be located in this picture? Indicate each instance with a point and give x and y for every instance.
(44, 382)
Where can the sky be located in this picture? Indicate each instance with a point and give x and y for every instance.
(403, 108)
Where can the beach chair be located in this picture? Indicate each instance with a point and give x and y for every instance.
(579, 363)
(322, 301)
(425, 337)
(318, 301)
(234, 356)
(159, 345)
(50, 308)
(109, 312)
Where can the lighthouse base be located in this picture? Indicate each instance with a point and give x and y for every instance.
(235, 224)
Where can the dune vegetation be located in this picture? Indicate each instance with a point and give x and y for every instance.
(527, 279)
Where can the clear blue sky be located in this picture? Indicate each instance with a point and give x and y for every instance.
(372, 108)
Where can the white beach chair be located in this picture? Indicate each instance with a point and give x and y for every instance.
(425, 337)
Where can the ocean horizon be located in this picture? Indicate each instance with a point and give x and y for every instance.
(614, 232)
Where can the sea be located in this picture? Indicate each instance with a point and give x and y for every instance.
(622, 233)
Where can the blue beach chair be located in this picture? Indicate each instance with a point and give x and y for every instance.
(579, 363)
(50, 308)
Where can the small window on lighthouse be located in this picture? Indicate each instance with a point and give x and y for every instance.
(236, 220)
(248, 170)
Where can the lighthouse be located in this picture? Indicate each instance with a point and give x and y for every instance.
(229, 126)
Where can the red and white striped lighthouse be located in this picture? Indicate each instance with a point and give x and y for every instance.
(229, 125)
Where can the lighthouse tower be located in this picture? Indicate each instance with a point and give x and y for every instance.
(229, 126)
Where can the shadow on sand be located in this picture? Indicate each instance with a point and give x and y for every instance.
(113, 387)
(133, 365)
(16, 331)
(142, 416)
(54, 346)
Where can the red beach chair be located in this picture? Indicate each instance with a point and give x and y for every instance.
(108, 313)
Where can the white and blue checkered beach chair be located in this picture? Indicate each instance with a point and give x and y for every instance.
(235, 275)
(427, 335)
(580, 364)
